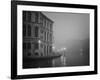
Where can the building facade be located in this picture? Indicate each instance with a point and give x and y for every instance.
(37, 34)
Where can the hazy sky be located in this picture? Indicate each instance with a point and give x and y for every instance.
(68, 26)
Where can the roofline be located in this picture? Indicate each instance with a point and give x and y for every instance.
(43, 15)
(47, 17)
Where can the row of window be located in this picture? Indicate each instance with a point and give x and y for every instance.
(46, 36)
(46, 23)
(28, 32)
(30, 16)
(28, 46)
(49, 37)
(47, 50)
(34, 16)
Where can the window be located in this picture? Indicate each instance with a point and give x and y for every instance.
(42, 31)
(50, 49)
(50, 27)
(33, 16)
(41, 20)
(45, 35)
(36, 31)
(36, 54)
(44, 49)
(41, 37)
(36, 17)
(29, 16)
(24, 30)
(44, 22)
(24, 15)
(41, 45)
(29, 54)
(29, 30)
(36, 46)
(47, 50)
(28, 45)
(50, 37)
(42, 34)
(24, 45)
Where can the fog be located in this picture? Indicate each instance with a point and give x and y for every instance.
(71, 31)
(69, 26)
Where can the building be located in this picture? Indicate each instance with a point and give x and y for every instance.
(37, 34)
(37, 40)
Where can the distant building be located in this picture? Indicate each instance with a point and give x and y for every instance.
(37, 34)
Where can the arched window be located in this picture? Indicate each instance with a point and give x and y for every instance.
(28, 54)
(36, 16)
(29, 30)
(36, 46)
(24, 45)
(28, 45)
(36, 54)
(24, 15)
(29, 16)
(36, 31)
(24, 29)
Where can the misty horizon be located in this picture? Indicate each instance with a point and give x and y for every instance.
(68, 27)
